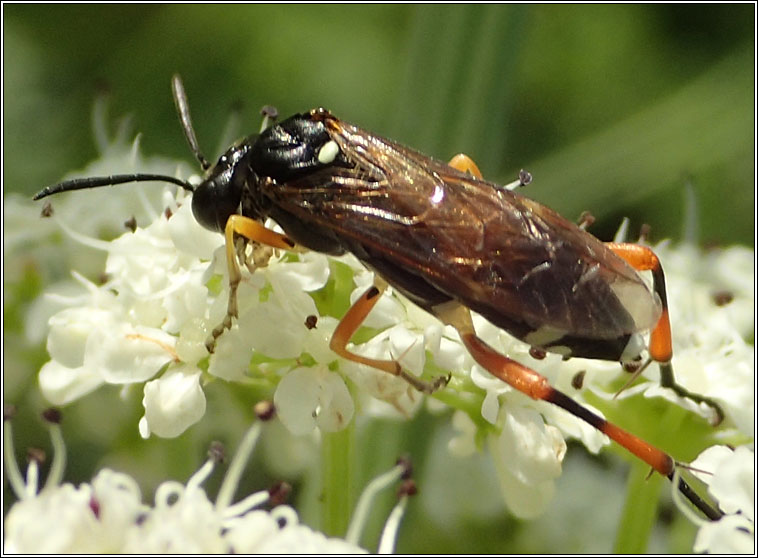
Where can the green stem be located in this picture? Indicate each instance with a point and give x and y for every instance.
(640, 510)
(337, 449)
(643, 493)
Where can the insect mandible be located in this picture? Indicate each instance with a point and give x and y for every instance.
(445, 238)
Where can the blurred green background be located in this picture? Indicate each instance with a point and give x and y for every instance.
(614, 109)
(619, 110)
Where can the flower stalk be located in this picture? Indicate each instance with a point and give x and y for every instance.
(337, 470)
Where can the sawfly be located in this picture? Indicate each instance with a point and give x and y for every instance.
(445, 238)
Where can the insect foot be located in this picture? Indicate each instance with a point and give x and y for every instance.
(423, 386)
(667, 380)
(231, 313)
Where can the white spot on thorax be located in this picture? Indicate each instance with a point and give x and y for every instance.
(328, 152)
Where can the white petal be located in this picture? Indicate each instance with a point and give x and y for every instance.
(464, 443)
(308, 274)
(57, 521)
(528, 456)
(43, 308)
(734, 482)
(139, 261)
(231, 359)
(387, 312)
(486, 381)
(407, 347)
(709, 460)
(182, 522)
(732, 534)
(730, 478)
(126, 354)
(146, 311)
(191, 238)
(173, 402)
(300, 539)
(336, 403)
(591, 437)
(316, 342)
(490, 407)
(273, 330)
(452, 355)
(119, 504)
(307, 397)
(536, 449)
(526, 501)
(188, 302)
(190, 346)
(246, 534)
(296, 399)
(61, 385)
(69, 331)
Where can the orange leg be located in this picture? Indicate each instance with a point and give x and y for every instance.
(251, 230)
(350, 323)
(661, 350)
(464, 163)
(643, 258)
(537, 387)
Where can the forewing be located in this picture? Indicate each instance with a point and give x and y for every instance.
(508, 257)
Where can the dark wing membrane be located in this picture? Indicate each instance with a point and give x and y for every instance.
(516, 262)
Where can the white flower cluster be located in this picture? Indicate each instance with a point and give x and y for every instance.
(711, 297)
(148, 323)
(108, 515)
(731, 480)
(166, 288)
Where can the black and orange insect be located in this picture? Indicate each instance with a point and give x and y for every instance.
(448, 240)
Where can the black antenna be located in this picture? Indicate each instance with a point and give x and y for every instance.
(97, 181)
(182, 107)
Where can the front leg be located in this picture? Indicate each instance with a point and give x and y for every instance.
(250, 230)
